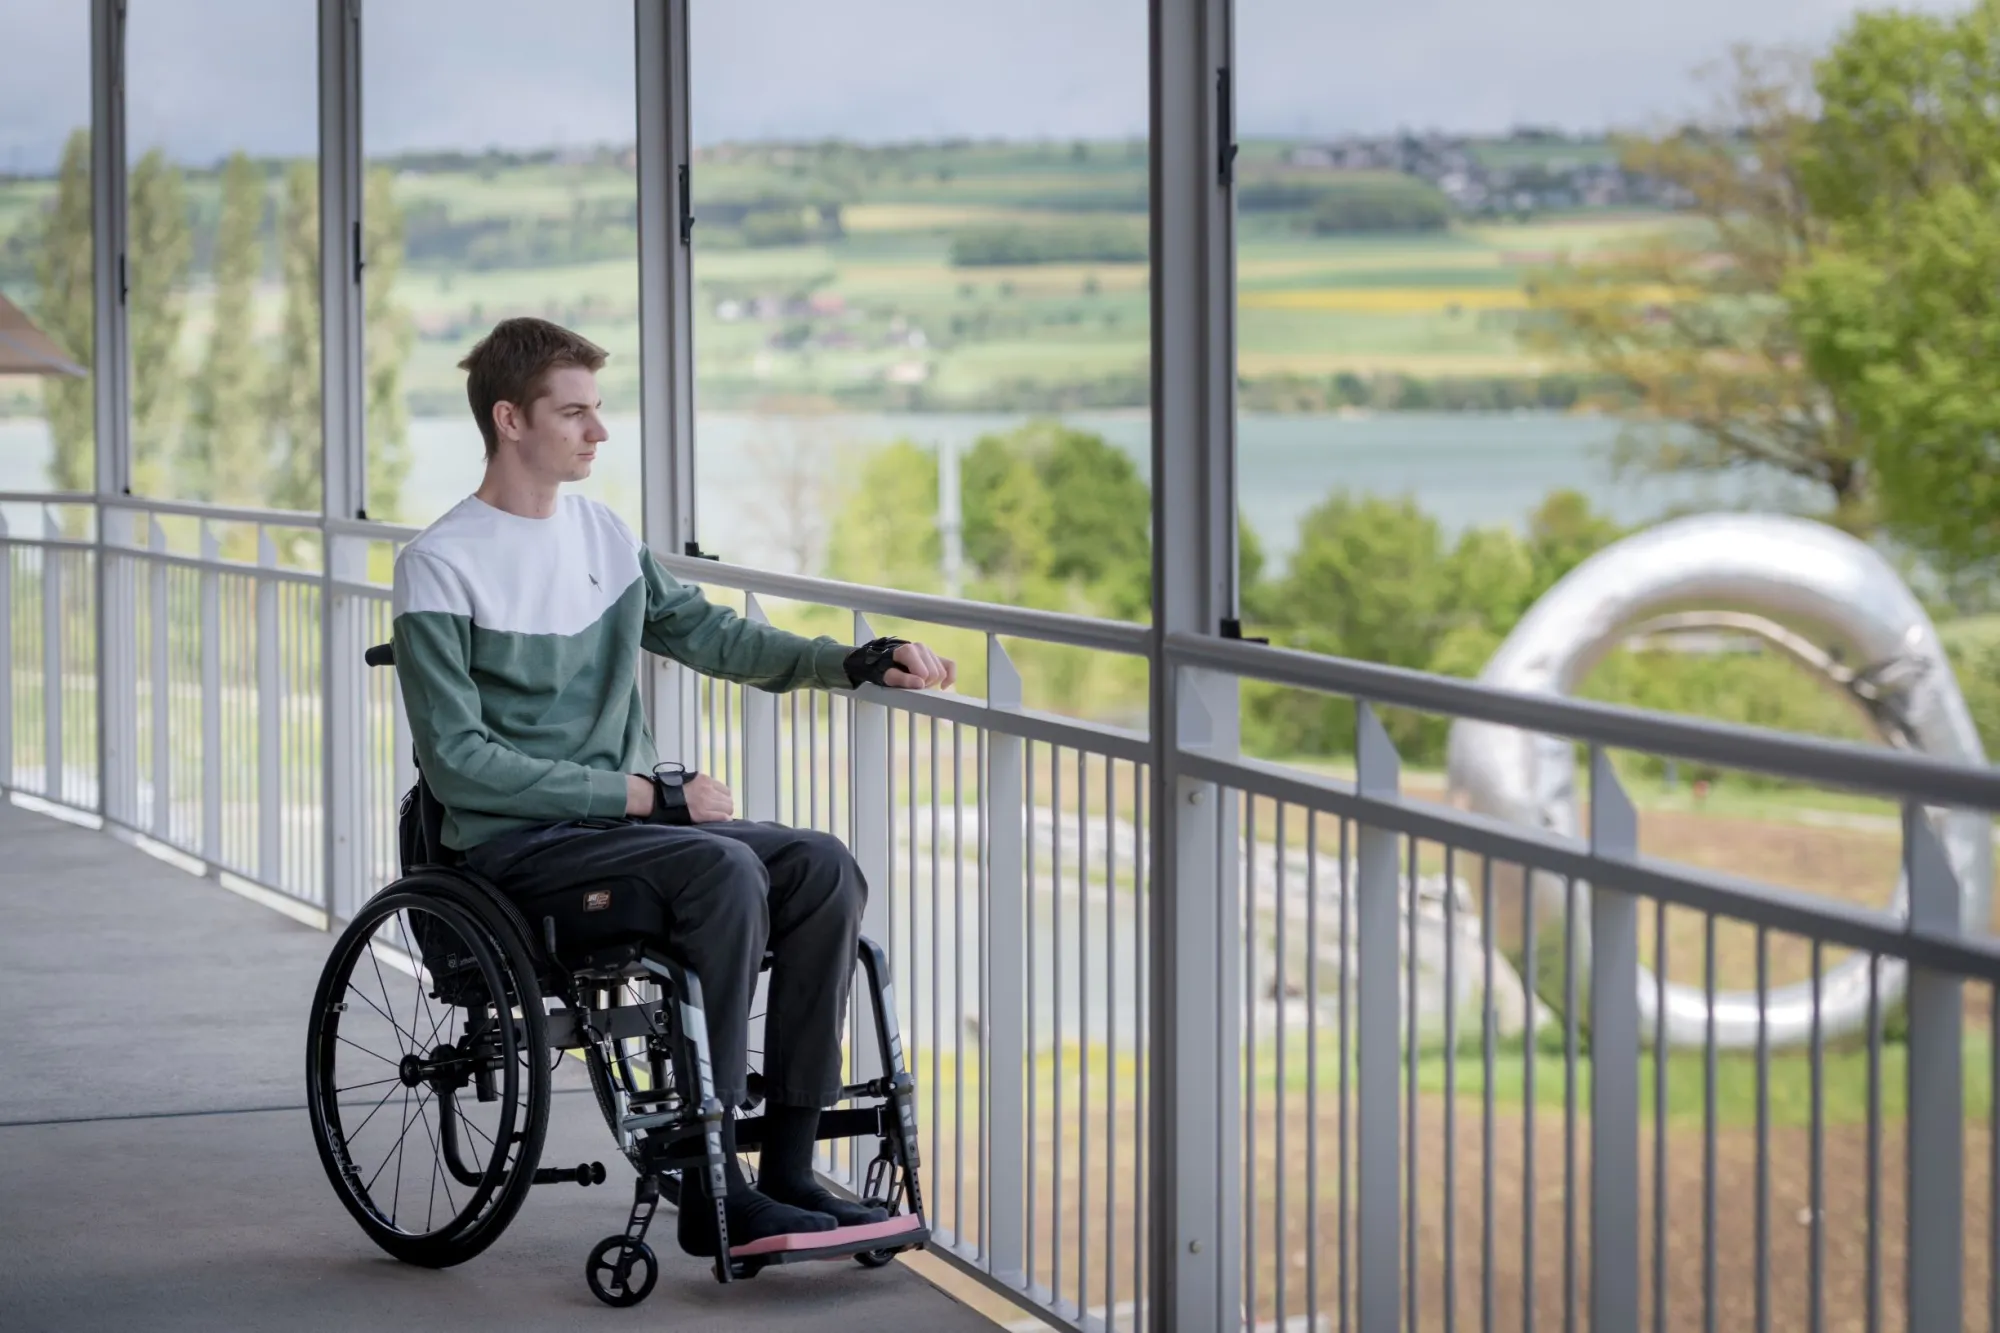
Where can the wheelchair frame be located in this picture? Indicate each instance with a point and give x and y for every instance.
(665, 1129)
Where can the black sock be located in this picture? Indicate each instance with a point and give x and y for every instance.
(785, 1169)
(751, 1214)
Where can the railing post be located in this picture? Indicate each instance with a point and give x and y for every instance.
(872, 845)
(1614, 1062)
(270, 719)
(760, 736)
(344, 728)
(162, 820)
(211, 699)
(1936, 1152)
(1378, 1013)
(52, 660)
(117, 668)
(1003, 1037)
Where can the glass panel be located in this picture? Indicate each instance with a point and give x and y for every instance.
(47, 434)
(501, 181)
(222, 257)
(921, 320)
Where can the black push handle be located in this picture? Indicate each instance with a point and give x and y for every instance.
(382, 654)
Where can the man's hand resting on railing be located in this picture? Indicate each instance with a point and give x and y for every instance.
(708, 801)
(900, 665)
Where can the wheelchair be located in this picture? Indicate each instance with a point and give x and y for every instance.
(439, 1021)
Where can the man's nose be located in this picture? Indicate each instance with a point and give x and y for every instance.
(595, 431)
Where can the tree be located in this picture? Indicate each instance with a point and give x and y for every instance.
(792, 457)
(886, 531)
(221, 455)
(65, 309)
(1901, 314)
(387, 334)
(293, 404)
(1693, 328)
(160, 247)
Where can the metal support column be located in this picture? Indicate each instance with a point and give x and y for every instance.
(117, 752)
(1194, 1240)
(666, 325)
(344, 453)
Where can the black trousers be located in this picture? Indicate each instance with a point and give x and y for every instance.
(715, 896)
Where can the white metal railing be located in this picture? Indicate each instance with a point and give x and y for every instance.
(1418, 1142)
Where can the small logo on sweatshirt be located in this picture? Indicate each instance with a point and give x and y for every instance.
(597, 900)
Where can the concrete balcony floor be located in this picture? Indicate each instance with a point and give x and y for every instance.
(157, 1169)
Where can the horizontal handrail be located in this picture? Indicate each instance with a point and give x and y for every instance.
(274, 518)
(47, 498)
(1897, 774)
(1115, 636)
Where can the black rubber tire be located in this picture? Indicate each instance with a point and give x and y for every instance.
(875, 1258)
(600, 1267)
(503, 969)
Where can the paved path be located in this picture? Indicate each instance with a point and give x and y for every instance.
(157, 1169)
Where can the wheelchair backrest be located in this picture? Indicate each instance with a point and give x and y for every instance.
(420, 828)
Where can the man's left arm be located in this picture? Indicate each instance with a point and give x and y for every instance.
(681, 623)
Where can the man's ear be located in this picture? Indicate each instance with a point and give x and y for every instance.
(507, 421)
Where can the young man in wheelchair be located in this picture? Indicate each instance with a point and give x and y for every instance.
(518, 620)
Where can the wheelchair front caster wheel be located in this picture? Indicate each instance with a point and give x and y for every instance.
(874, 1258)
(641, 1271)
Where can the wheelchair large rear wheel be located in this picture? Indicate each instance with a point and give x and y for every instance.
(428, 1073)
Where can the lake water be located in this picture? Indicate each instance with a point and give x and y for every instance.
(1466, 469)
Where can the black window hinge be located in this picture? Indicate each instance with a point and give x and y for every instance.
(1225, 129)
(687, 208)
(359, 263)
(693, 549)
(122, 288)
(1232, 628)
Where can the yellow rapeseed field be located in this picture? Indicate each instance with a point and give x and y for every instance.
(1414, 300)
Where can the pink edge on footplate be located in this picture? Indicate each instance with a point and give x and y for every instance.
(822, 1240)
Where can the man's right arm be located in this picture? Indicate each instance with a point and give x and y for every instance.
(465, 765)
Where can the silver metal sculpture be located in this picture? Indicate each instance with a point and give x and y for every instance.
(1823, 598)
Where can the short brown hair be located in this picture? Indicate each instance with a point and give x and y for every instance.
(512, 365)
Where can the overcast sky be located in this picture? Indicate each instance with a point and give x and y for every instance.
(208, 76)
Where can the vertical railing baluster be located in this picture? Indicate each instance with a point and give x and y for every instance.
(1489, 930)
(7, 664)
(1082, 1031)
(871, 839)
(211, 699)
(760, 736)
(1412, 1102)
(162, 634)
(1762, 1261)
(269, 792)
(1816, 1237)
(1709, 1304)
(1450, 1205)
(1312, 1070)
(52, 659)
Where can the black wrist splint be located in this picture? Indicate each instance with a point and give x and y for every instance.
(670, 804)
(873, 660)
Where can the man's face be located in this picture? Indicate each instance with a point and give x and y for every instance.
(556, 437)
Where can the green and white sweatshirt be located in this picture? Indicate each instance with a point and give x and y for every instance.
(517, 647)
